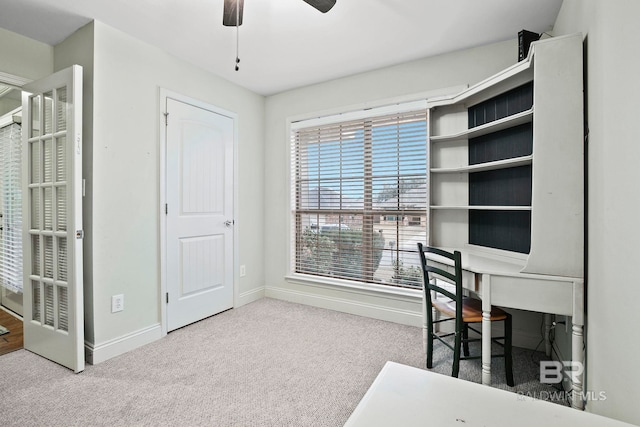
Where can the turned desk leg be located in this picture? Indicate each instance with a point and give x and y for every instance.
(547, 334)
(577, 346)
(577, 372)
(486, 329)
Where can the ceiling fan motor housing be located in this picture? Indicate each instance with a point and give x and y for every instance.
(232, 16)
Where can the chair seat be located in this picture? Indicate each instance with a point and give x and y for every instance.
(471, 310)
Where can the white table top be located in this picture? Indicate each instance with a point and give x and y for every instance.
(478, 261)
(407, 396)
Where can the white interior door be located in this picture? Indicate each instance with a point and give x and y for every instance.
(52, 217)
(199, 223)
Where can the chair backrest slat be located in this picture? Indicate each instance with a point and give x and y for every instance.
(440, 272)
(443, 291)
(430, 272)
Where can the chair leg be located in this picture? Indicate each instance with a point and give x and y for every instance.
(465, 339)
(456, 355)
(508, 359)
(429, 347)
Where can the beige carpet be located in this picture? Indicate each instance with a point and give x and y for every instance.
(269, 363)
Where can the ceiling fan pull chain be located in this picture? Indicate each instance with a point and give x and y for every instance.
(237, 38)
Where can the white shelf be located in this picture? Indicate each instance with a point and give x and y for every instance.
(494, 126)
(555, 67)
(512, 77)
(482, 208)
(498, 164)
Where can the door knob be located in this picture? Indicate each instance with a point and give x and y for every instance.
(228, 223)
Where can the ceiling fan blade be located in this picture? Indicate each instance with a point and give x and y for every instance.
(323, 6)
(231, 12)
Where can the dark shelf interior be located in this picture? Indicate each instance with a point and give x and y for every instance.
(507, 104)
(508, 230)
(505, 144)
(501, 187)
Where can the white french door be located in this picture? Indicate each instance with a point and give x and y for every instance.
(199, 212)
(52, 218)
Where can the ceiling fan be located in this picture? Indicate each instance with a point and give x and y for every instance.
(233, 10)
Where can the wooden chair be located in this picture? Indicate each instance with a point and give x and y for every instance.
(459, 309)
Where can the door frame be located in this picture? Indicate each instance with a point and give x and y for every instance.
(165, 94)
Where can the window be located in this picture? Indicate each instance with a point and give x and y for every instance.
(11, 207)
(359, 195)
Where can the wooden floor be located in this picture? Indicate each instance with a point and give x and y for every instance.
(12, 340)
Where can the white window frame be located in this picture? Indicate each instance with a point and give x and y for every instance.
(319, 119)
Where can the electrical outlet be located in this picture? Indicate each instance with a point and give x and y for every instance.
(117, 303)
(243, 271)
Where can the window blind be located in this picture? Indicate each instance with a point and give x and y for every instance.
(359, 196)
(11, 207)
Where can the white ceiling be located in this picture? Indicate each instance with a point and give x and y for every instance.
(285, 44)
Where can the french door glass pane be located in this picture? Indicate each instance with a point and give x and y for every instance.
(35, 162)
(61, 162)
(48, 304)
(48, 256)
(36, 299)
(48, 113)
(48, 208)
(48, 161)
(35, 116)
(61, 109)
(35, 208)
(63, 309)
(62, 259)
(35, 255)
(61, 208)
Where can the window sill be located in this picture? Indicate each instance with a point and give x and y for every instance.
(353, 286)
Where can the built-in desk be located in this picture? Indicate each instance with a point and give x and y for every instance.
(498, 281)
(406, 396)
(506, 176)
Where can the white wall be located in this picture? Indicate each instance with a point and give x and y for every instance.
(124, 246)
(408, 81)
(24, 57)
(78, 49)
(613, 86)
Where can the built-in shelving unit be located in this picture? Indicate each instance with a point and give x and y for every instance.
(506, 162)
(495, 126)
(498, 164)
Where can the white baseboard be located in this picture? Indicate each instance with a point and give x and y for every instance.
(250, 296)
(390, 314)
(521, 338)
(97, 353)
